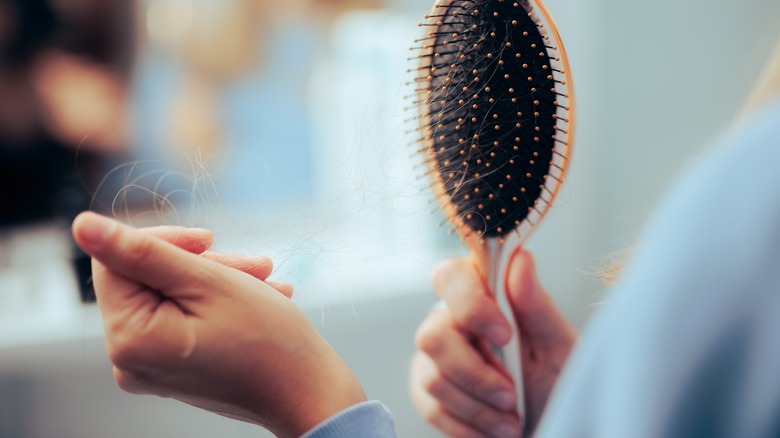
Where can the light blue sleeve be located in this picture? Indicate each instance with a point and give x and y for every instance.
(369, 419)
(688, 343)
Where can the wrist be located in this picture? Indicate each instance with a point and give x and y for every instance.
(310, 383)
(332, 389)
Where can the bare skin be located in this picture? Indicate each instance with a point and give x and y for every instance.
(456, 384)
(207, 329)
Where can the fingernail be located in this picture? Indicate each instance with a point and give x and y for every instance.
(497, 334)
(96, 229)
(504, 400)
(506, 431)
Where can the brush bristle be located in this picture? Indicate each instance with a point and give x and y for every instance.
(490, 98)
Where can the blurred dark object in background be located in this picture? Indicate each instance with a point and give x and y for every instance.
(65, 66)
(64, 70)
(25, 26)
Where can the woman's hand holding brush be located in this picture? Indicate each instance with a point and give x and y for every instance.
(207, 329)
(456, 383)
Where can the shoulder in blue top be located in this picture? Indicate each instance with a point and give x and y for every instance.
(687, 344)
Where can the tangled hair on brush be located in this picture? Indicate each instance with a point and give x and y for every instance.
(495, 112)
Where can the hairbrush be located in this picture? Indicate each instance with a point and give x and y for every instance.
(495, 109)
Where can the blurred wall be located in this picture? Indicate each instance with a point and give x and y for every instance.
(655, 83)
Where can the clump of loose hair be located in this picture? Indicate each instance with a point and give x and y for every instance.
(613, 266)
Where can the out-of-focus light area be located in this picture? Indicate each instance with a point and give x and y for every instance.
(282, 126)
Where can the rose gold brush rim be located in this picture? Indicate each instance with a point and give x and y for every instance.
(473, 240)
(571, 103)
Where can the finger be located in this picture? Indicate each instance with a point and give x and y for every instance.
(537, 315)
(285, 288)
(128, 381)
(119, 297)
(458, 283)
(194, 240)
(259, 267)
(461, 363)
(460, 405)
(434, 413)
(144, 258)
(132, 335)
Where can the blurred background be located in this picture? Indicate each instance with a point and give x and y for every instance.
(281, 125)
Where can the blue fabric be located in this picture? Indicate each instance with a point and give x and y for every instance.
(687, 343)
(365, 420)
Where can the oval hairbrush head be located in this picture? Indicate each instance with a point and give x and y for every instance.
(496, 114)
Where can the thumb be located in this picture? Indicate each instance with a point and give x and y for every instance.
(140, 256)
(537, 316)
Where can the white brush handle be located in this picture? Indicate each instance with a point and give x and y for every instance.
(510, 355)
(499, 255)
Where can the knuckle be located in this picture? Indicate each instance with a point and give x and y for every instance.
(442, 272)
(123, 348)
(432, 412)
(479, 314)
(129, 382)
(429, 336)
(451, 272)
(474, 314)
(125, 382)
(119, 355)
(435, 385)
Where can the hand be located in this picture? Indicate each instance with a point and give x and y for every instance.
(456, 383)
(191, 327)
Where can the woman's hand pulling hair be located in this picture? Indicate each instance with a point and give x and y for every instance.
(204, 328)
(456, 382)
